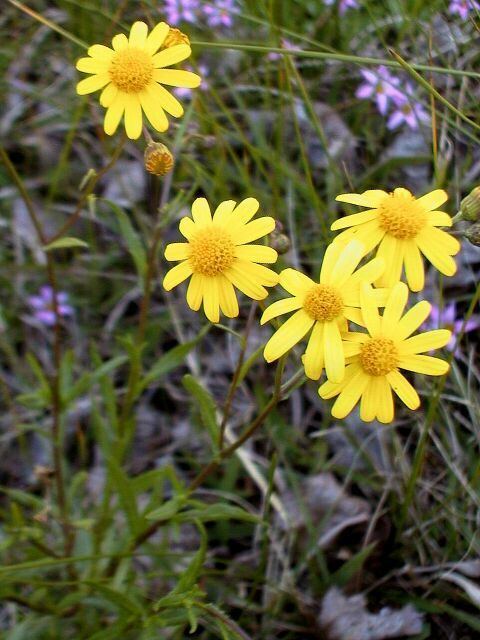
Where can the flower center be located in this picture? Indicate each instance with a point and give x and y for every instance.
(400, 215)
(379, 356)
(323, 303)
(212, 251)
(131, 70)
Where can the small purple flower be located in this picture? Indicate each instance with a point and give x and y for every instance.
(408, 111)
(284, 44)
(42, 306)
(463, 7)
(379, 86)
(446, 318)
(219, 13)
(181, 10)
(184, 93)
(343, 5)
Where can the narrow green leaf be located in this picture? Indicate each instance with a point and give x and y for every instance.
(65, 243)
(126, 495)
(215, 512)
(352, 566)
(168, 509)
(206, 407)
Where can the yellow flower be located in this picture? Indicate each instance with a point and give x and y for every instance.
(376, 357)
(132, 74)
(326, 306)
(402, 227)
(218, 257)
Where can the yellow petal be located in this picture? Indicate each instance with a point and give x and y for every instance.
(108, 95)
(436, 254)
(211, 298)
(394, 308)
(177, 251)
(350, 395)
(92, 65)
(412, 319)
(254, 230)
(354, 219)
(331, 389)
(119, 42)
(424, 364)
(138, 34)
(314, 356)
(425, 341)
(371, 198)
(258, 273)
(133, 115)
(256, 253)
(330, 257)
(94, 83)
(403, 389)
(201, 212)
(346, 263)
(113, 115)
(223, 212)
(245, 282)
(439, 219)
(369, 234)
(291, 332)
(245, 211)
(414, 271)
(187, 227)
(157, 37)
(391, 250)
(371, 318)
(384, 401)
(279, 308)
(100, 51)
(177, 78)
(354, 315)
(155, 113)
(368, 406)
(195, 291)
(295, 282)
(433, 199)
(228, 298)
(177, 275)
(333, 352)
(172, 55)
(164, 99)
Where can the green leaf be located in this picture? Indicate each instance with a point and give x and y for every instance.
(65, 243)
(216, 512)
(206, 406)
(352, 566)
(132, 239)
(126, 495)
(117, 598)
(168, 509)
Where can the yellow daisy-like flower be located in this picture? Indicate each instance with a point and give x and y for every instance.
(403, 227)
(132, 74)
(376, 357)
(324, 306)
(218, 257)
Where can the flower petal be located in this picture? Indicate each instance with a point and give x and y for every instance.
(350, 395)
(223, 212)
(156, 37)
(371, 318)
(195, 291)
(187, 227)
(425, 341)
(164, 99)
(371, 198)
(228, 298)
(211, 298)
(133, 115)
(414, 271)
(113, 115)
(291, 332)
(108, 95)
(333, 352)
(120, 42)
(424, 364)
(94, 83)
(264, 276)
(384, 401)
(436, 253)
(100, 51)
(403, 389)
(256, 253)
(245, 210)
(394, 308)
(412, 320)
(245, 282)
(177, 275)
(254, 230)
(177, 251)
(433, 199)
(92, 65)
(172, 55)
(295, 282)
(153, 111)
(346, 263)
(439, 219)
(279, 308)
(201, 212)
(368, 406)
(314, 357)
(354, 219)
(391, 250)
(177, 78)
(138, 34)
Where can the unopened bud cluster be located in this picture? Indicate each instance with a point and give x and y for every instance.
(158, 159)
(175, 36)
(279, 240)
(470, 212)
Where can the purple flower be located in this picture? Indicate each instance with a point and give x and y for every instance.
(42, 306)
(284, 44)
(178, 10)
(446, 318)
(463, 7)
(219, 13)
(343, 5)
(379, 86)
(184, 93)
(408, 111)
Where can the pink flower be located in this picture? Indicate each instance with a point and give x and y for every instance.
(181, 10)
(380, 86)
(446, 318)
(408, 111)
(285, 44)
(343, 5)
(219, 13)
(42, 306)
(463, 7)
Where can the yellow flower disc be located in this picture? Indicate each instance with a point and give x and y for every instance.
(323, 303)
(212, 251)
(379, 356)
(131, 70)
(400, 215)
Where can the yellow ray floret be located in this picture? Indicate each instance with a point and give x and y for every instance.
(132, 75)
(375, 358)
(323, 307)
(218, 257)
(403, 227)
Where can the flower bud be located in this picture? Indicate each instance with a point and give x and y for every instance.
(158, 159)
(473, 234)
(175, 36)
(470, 206)
(279, 240)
